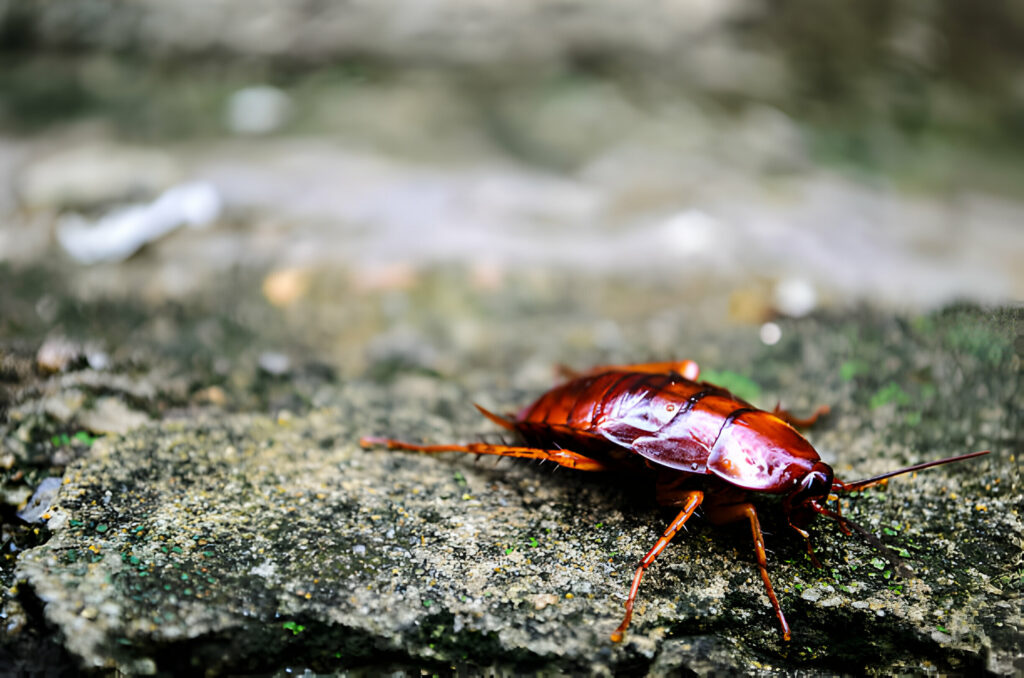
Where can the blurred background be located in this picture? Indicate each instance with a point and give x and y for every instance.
(226, 192)
(753, 156)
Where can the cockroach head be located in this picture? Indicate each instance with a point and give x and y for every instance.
(810, 494)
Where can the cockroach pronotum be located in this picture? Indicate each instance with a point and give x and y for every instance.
(701, 445)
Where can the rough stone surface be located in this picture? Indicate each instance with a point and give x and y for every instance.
(245, 542)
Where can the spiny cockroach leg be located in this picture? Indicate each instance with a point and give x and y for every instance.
(693, 500)
(801, 422)
(566, 458)
(733, 512)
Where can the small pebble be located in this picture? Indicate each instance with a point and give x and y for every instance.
(275, 363)
(39, 504)
(286, 286)
(795, 297)
(770, 334)
(260, 109)
(542, 600)
(57, 354)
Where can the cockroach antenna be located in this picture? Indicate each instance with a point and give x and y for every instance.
(856, 486)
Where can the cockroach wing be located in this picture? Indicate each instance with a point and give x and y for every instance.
(635, 416)
(758, 451)
(685, 455)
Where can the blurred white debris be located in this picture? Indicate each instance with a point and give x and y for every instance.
(274, 363)
(41, 501)
(257, 110)
(121, 233)
(691, 233)
(795, 297)
(98, 359)
(770, 333)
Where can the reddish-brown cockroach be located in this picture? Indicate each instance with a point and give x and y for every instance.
(701, 445)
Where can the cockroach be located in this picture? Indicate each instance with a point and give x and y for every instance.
(701, 445)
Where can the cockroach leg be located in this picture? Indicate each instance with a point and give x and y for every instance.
(790, 418)
(566, 458)
(496, 418)
(897, 563)
(733, 512)
(673, 490)
(693, 500)
(839, 514)
(810, 549)
(566, 372)
(810, 553)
